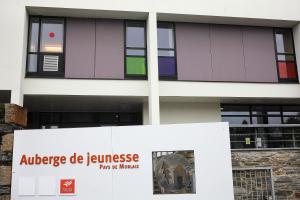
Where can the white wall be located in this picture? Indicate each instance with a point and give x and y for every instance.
(13, 39)
(189, 112)
(232, 90)
(267, 9)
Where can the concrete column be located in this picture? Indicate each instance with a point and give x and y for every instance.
(296, 33)
(153, 82)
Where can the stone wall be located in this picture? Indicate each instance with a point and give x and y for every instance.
(12, 117)
(285, 166)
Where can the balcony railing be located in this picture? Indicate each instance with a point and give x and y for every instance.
(265, 136)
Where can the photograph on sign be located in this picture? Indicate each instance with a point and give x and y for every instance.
(173, 172)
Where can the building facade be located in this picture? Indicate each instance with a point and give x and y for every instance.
(113, 63)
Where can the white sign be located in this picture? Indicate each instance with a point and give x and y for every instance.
(176, 162)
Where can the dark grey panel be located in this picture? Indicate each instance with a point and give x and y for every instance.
(227, 53)
(193, 52)
(80, 48)
(109, 49)
(259, 52)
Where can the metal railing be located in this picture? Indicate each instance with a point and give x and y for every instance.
(265, 136)
(253, 184)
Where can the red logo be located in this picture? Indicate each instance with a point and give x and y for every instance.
(67, 186)
(52, 34)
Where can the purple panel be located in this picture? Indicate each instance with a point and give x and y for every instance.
(193, 52)
(166, 66)
(80, 48)
(109, 49)
(227, 53)
(259, 52)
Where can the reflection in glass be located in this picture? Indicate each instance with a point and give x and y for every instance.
(284, 41)
(135, 52)
(32, 63)
(291, 120)
(165, 37)
(135, 36)
(265, 119)
(166, 53)
(285, 58)
(52, 36)
(266, 110)
(236, 119)
(34, 37)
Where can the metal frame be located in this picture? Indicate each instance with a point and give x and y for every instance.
(128, 76)
(40, 54)
(251, 115)
(170, 49)
(288, 80)
(38, 123)
(285, 143)
(267, 170)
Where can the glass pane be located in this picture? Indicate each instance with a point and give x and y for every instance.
(266, 110)
(265, 119)
(165, 36)
(284, 41)
(287, 70)
(285, 58)
(34, 36)
(52, 32)
(235, 110)
(291, 110)
(32, 63)
(166, 66)
(292, 120)
(236, 120)
(135, 35)
(166, 53)
(135, 52)
(135, 66)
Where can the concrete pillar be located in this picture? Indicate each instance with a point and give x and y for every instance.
(153, 82)
(296, 33)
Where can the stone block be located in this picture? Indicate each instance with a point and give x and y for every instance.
(4, 197)
(5, 175)
(15, 114)
(7, 142)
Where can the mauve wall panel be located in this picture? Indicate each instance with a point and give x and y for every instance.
(109, 49)
(259, 54)
(193, 52)
(227, 53)
(80, 48)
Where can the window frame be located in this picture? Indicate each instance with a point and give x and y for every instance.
(133, 76)
(251, 110)
(61, 65)
(285, 80)
(175, 77)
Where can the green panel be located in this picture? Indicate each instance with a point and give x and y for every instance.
(135, 66)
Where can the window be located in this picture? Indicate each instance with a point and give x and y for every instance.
(135, 60)
(45, 47)
(285, 56)
(166, 51)
(263, 126)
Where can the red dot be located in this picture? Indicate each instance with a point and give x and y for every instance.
(52, 34)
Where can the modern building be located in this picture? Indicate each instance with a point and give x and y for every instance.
(102, 63)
